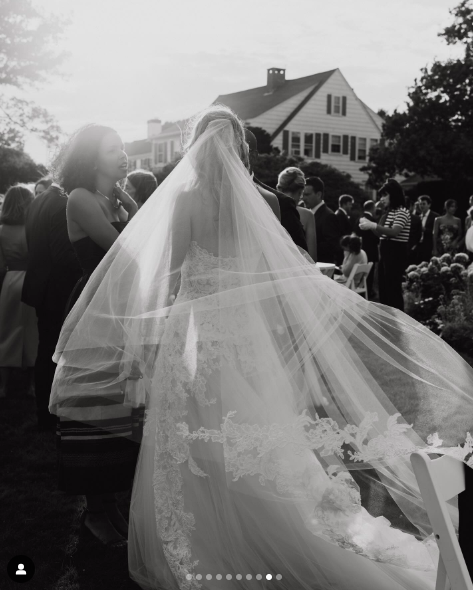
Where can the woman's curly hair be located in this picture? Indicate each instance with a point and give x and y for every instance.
(75, 164)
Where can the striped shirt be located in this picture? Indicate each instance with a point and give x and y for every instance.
(398, 217)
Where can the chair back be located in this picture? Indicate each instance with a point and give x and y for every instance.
(441, 480)
(357, 279)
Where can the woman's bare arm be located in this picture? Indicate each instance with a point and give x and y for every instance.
(85, 217)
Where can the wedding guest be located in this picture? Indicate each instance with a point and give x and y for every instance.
(18, 329)
(353, 254)
(291, 182)
(415, 232)
(394, 235)
(90, 461)
(427, 217)
(140, 185)
(326, 224)
(447, 231)
(468, 214)
(345, 205)
(289, 215)
(41, 185)
(370, 244)
(51, 274)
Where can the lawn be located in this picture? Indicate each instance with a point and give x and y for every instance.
(41, 522)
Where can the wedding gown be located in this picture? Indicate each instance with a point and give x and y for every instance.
(265, 384)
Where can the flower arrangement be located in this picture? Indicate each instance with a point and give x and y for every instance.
(438, 292)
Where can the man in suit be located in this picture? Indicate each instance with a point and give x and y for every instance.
(289, 216)
(427, 218)
(415, 233)
(326, 223)
(345, 205)
(52, 272)
(370, 244)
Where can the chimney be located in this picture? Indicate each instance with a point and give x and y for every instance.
(276, 78)
(154, 128)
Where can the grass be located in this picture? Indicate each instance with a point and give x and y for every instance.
(41, 522)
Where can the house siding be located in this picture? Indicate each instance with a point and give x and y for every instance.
(313, 118)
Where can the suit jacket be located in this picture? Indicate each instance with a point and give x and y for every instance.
(369, 240)
(428, 230)
(290, 219)
(415, 233)
(53, 268)
(328, 235)
(344, 222)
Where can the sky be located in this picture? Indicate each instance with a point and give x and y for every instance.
(138, 59)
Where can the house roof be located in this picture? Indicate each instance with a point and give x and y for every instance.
(136, 148)
(377, 120)
(252, 103)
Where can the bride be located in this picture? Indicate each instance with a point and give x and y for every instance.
(269, 392)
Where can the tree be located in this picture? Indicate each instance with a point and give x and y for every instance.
(27, 57)
(263, 139)
(434, 135)
(16, 166)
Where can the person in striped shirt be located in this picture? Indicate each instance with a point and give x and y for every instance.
(393, 231)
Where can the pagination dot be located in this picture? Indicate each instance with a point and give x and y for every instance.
(219, 576)
(259, 577)
(248, 576)
(279, 577)
(209, 576)
(238, 576)
(229, 576)
(269, 576)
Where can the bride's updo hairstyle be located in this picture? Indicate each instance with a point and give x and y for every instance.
(291, 180)
(198, 124)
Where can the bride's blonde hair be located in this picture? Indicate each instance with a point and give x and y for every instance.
(198, 124)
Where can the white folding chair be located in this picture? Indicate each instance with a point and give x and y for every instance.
(440, 480)
(357, 279)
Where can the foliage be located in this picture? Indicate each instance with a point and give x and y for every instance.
(268, 166)
(27, 56)
(441, 281)
(434, 136)
(16, 166)
(263, 139)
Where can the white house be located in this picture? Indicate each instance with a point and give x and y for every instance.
(160, 148)
(318, 117)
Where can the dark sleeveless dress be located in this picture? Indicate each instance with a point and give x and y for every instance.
(97, 457)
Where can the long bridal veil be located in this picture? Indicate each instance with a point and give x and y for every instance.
(272, 395)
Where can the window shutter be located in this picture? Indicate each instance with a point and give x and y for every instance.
(317, 144)
(352, 148)
(344, 106)
(345, 145)
(285, 141)
(172, 150)
(325, 143)
(165, 159)
(329, 104)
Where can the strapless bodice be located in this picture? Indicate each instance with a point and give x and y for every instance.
(203, 273)
(89, 253)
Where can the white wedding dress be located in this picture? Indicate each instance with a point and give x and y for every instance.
(265, 384)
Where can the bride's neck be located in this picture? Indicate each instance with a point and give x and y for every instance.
(105, 185)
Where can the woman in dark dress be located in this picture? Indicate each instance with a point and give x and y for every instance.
(96, 457)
